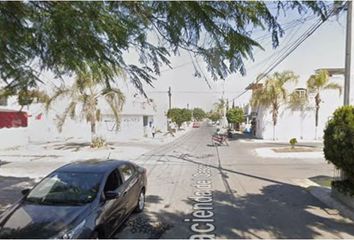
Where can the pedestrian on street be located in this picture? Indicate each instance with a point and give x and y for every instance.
(153, 131)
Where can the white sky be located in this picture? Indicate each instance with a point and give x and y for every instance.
(325, 48)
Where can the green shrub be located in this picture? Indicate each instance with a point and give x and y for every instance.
(339, 140)
(293, 142)
(214, 116)
(98, 142)
(179, 116)
(235, 116)
(198, 114)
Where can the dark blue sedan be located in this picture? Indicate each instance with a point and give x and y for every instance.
(88, 199)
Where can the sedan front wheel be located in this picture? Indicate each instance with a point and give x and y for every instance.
(141, 202)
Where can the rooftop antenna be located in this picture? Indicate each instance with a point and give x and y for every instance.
(109, 154)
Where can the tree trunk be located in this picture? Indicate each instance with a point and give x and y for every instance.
(93, 130)
(274, 118)
(302, 124)
(273, 132)
(318, 101)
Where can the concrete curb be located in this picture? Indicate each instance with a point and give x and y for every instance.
(324, 195)
(267, 152)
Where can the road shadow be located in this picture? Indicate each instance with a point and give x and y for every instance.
(153, 225)
(323, 180)
(277, 211)
(75, 147)
(3, 162)
(242, 136)
(153, 199)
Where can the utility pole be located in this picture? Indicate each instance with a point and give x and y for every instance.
(348, 54)
(169, 97)
(169, 108)
(348, 62)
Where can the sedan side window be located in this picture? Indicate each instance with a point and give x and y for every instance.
(113, 182)
(126, 171)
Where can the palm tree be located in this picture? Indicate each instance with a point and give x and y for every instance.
(317, 83)
(219, 106)
(25, 96)
(86, 92)
(273, 93)
(298, 100)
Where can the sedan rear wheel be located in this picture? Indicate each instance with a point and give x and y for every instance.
(141, 202)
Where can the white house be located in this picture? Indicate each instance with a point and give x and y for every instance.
(137, 118)
(294, 124)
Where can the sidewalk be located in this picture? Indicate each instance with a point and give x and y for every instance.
(324, 195)
(36, 160)
(253, 140)
(267, 152)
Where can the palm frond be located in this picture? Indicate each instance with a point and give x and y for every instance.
(318, 81)
(62, 118)
(334, 86)
(58, 93)
(115, 100)
(297, 102)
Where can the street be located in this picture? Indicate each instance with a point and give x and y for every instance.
(251, 197)
(198, 190)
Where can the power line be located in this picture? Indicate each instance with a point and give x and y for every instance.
(290, 49)
(194, 92)
(292, 24)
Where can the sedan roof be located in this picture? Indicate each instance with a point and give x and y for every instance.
(93, 165)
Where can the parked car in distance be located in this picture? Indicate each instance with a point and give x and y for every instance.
(88, 199)
(196, 125)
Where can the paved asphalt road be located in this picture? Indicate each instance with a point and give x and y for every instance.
(251, 197)
(196, 189)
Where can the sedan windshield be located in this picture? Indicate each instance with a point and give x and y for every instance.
(64, 188)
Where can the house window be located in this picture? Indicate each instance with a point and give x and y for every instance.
(3, 101)
(302, 92)
(145, 121)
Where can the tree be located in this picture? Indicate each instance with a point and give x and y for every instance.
(298, 101)
(198, 114)
(316, 84)
(273, 93)
(338, 141)
(214, 116)
(220, 106)
(86, 91)
(66, 37)
(26, 96)
(235, 116)
(179, 116)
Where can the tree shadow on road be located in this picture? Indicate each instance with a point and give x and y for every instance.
(75, 147)
(278, 211)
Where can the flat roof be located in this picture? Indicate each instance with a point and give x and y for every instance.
(333, 71)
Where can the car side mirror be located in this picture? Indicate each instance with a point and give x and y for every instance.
(25, 191)
(109, 195)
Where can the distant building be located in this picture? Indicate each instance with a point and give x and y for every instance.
(294, 124)
(33, 124)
